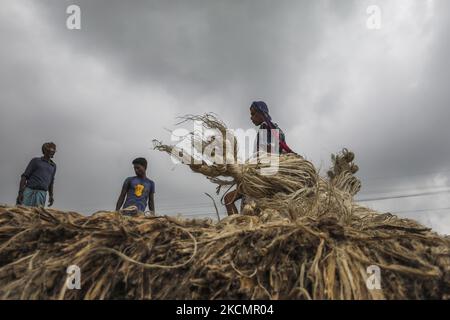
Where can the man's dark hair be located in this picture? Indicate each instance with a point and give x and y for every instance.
(48, 145)
(140, 161)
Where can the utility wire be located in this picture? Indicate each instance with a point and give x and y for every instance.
(407, 190)
(407, 176)
(403, 196)
(202, 206)
(422, 210)
(378, 190)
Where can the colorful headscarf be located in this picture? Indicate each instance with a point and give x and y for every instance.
(261, 106)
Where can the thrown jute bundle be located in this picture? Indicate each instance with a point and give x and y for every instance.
(295, 177)
(295, 187)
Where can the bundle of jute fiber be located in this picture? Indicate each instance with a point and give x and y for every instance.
(288, 183)
(242, 257)
(259, 177)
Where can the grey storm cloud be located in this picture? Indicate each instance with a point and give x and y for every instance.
(199, 46)
(104, 92)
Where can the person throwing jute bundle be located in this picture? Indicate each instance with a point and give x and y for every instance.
(259, 115)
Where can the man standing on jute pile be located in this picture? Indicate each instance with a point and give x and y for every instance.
(137, 191)
(38, 179)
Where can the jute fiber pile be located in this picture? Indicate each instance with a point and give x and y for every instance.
(242, 257)
(303, 238)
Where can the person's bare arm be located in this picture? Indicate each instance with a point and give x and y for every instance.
(121, 199)
(50, 190)
(151, 202)
(50, 194)
(230, 198)
(269, 140)
(22, 185)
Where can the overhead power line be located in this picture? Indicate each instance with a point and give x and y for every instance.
(411, 188)
(387, 197)
(422, 210)
(407, 176)
(404, 196)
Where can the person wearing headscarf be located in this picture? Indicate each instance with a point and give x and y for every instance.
(259, 115)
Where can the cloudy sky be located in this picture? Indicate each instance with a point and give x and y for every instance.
(104, 92)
